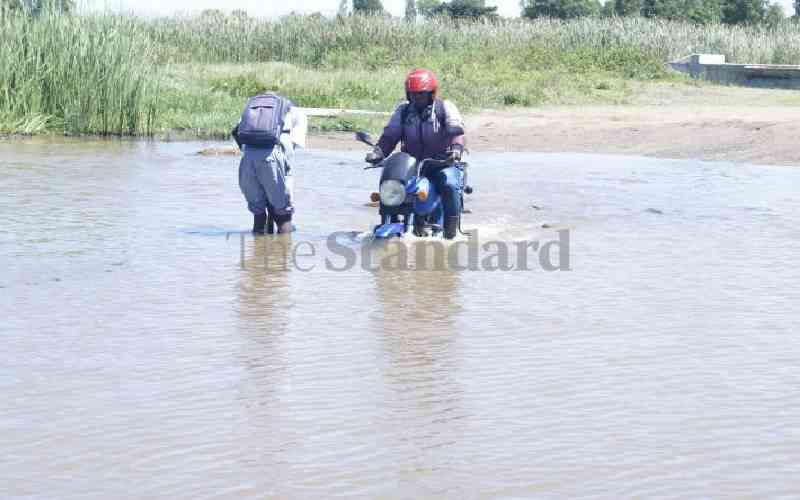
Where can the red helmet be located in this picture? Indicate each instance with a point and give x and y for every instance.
(422, 80)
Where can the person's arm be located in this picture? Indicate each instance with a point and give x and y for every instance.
(392, 132)
(454, 124)
(298, 126)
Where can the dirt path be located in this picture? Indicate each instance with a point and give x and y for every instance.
(666, 121)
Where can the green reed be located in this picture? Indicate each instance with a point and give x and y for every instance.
(125, 75)
(77, 74)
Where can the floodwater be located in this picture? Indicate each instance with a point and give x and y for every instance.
(154, 349)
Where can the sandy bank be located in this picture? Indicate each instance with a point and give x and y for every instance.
(671, 121)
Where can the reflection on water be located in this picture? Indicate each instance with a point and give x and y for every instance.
(417, 329)
(263, 309)
(155, 349)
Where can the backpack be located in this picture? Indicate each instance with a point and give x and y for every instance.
(263, 119)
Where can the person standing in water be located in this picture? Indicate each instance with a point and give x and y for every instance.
(268, 132)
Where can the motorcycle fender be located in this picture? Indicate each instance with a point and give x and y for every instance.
(389, 230)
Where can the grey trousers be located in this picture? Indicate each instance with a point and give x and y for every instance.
(265, 178)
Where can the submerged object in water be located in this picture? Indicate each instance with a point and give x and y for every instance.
(226, 150)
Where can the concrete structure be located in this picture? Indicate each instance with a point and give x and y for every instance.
(712, 67)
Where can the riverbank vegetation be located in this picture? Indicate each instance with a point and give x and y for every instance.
(102, 74)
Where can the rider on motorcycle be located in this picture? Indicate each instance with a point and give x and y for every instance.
(428, 127)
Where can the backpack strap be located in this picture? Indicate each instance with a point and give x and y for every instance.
(284, 105)
(403, 118)
(438, 104)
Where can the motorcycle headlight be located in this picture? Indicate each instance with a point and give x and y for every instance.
(393, 193)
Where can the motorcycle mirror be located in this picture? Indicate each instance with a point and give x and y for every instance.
(364, 137)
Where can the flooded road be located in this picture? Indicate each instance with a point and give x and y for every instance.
(154, 349)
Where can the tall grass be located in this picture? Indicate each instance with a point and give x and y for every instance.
(126, 75)
(374, 41)
(77, 74)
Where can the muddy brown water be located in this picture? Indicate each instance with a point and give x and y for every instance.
(154, 349)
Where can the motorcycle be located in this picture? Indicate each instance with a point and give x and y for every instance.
(408, 199)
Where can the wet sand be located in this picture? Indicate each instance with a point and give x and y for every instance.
(706, 122)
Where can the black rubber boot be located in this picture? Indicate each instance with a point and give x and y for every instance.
(270, 219)
(285, 227)
(450, 227)
(284, 223)
(259, 222)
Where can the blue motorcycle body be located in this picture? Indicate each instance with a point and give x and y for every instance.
(422, 205)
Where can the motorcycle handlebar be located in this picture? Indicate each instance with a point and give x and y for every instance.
(426, 161)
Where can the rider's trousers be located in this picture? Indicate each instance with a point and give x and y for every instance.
(447, 181)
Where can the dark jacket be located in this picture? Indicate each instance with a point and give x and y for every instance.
(423, 135)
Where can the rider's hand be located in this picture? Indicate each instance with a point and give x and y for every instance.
(455, 152)
(374, 156)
